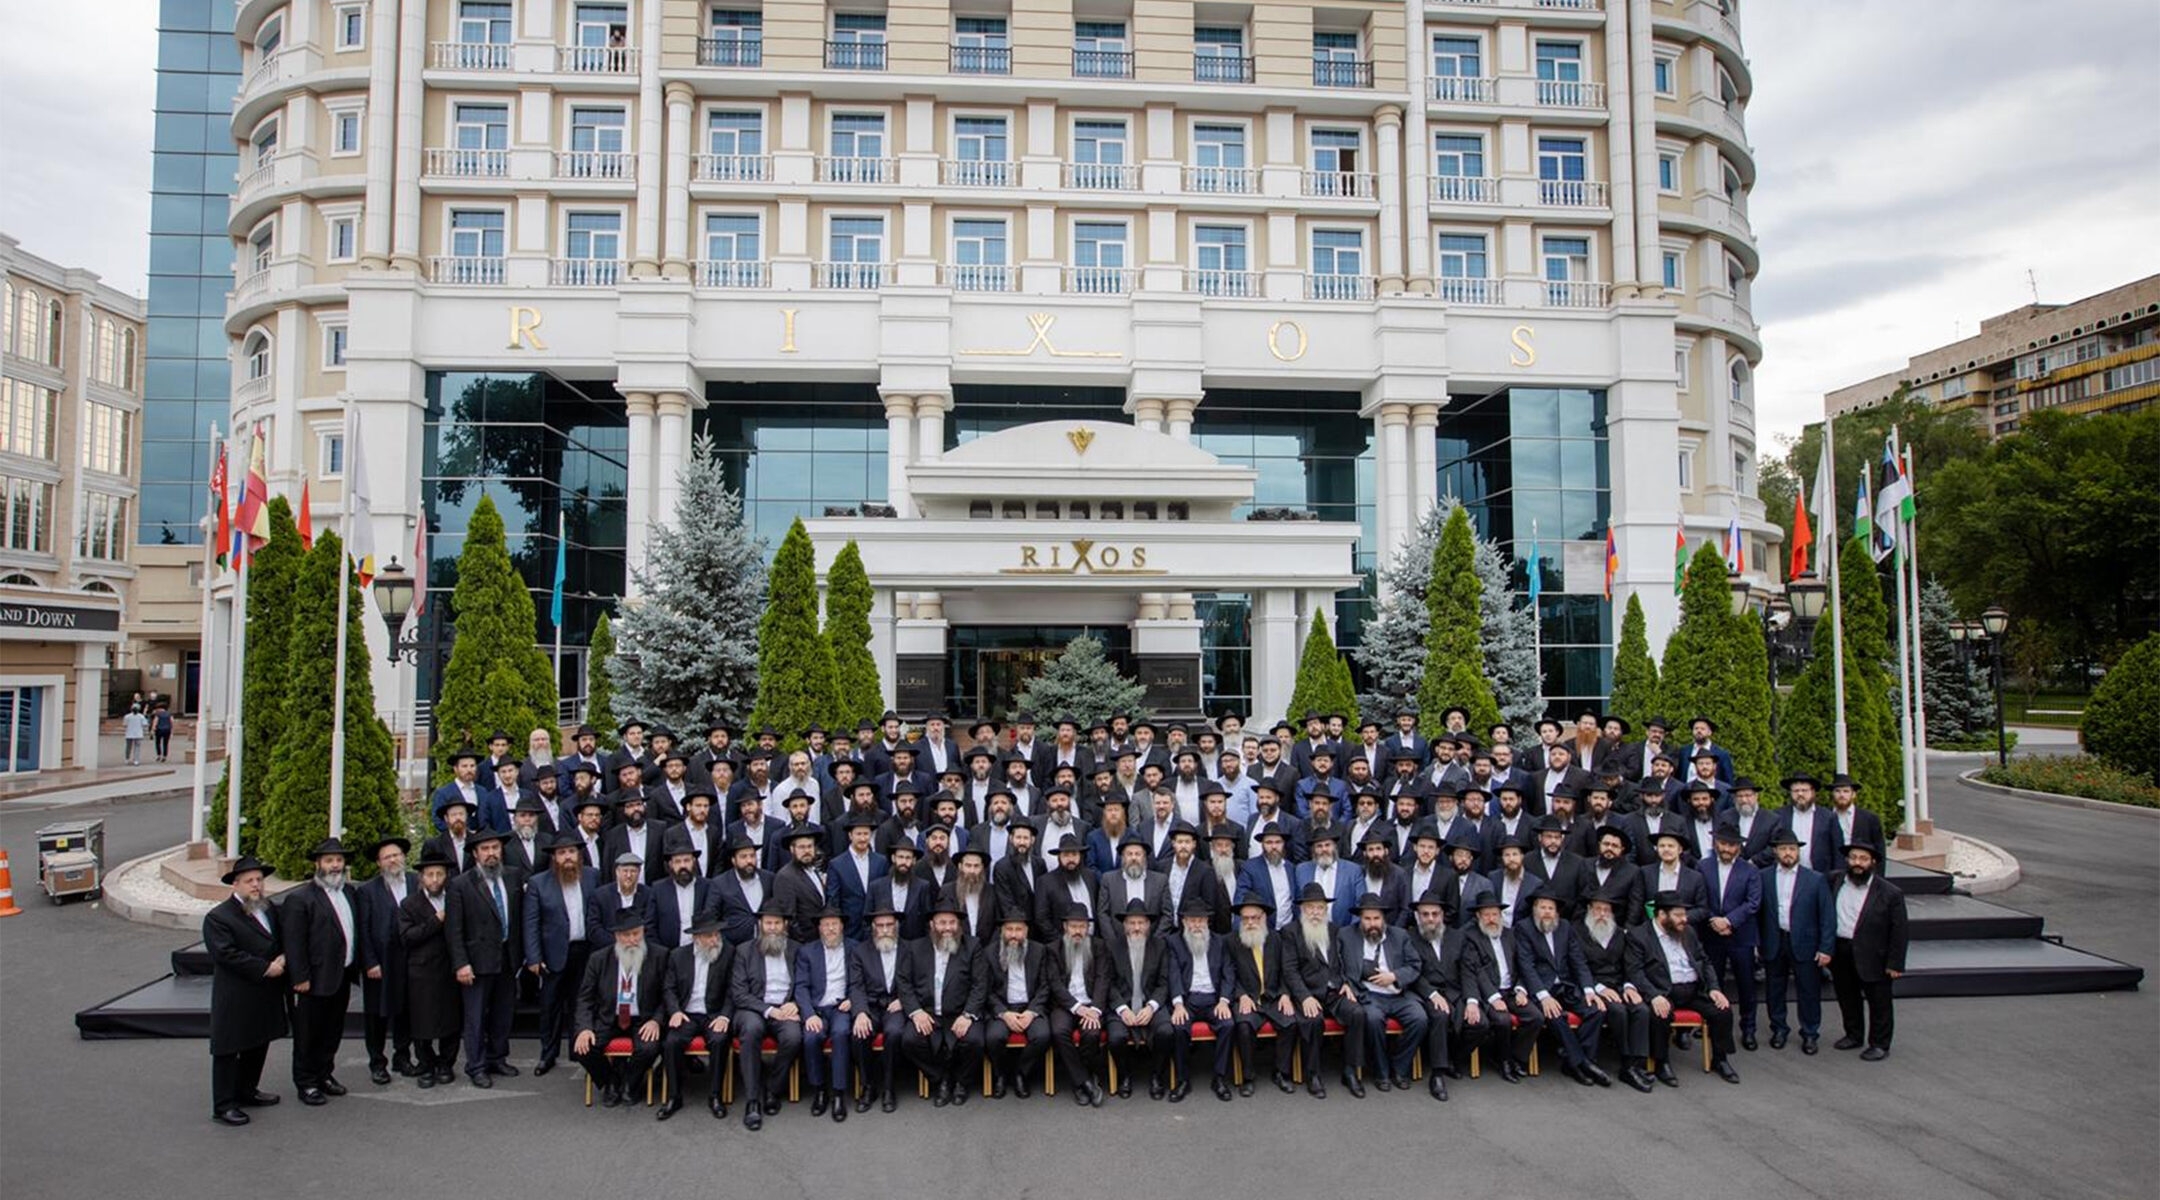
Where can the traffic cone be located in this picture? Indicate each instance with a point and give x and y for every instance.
(7, 889)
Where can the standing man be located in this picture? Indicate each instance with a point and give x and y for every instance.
(322, 949)
(620, 997)
(1870, 953)
(1799, 935)
(431, 989)
(1735, 894)
(1853, 824)
(556, 940)
(247, 993)
(382, 962)
(484, 917)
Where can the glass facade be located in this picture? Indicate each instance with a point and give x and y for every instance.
(186, 383)
(1533, 461)
(1225, 652)
(540, 448)
(792, 449)
(979, 409)
(989, 665)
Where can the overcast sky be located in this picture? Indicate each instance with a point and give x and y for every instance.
(1917, 159)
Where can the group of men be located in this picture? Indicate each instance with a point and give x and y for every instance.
(1111, 900)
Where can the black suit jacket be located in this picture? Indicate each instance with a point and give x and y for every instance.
(616, 842)
(738, 917)
(1178, 970)
(1608, 964)
(1551, 969)
(1647, 968)
(1867, 830)
(247, 1006)
(668, 921)
(1879, 937)
(801, 897)
(1262, 981)
(682, 975)
(1095, 977)
(964, 983)
(596, 1003)
(380, 945)
(441, 841)
(1564, 880)
(1154, 981)
(1395, 945)
(1035, 979)
(1311, 976)
(1013, 883)
(1625, 878)
(315, 946)
(746, 983)
(476, 938)
(879, 988)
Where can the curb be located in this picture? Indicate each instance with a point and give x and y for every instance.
(2057, 798)
(120, 906)
(1988, 885)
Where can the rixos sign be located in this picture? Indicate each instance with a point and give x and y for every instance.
(1082, 556)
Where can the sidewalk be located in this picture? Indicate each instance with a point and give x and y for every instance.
(113, 777)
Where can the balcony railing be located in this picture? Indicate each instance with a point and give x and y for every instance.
(1465, 189)
(730, 52)
(596, 60)
(1352, 185)
(734, 274)
(980, 60)
(981, 277)
(1577, 5)
(1461, 89)
(1222, 68)
(264, 72)
(1102, 64)
(595, 164)
(1568, 93)
(248, 391)
(1102, 177)
(1240, 285)
(854, 56)
(1098, 281)
(469, 164)
(1574, 293)
(1219, 181)
(254, 285)
(842, 169)
(1339, 287)
(734, 168)
(260, 175)
(851, 276)
(467, 268)
(977, 172)
(1571, 193)
(1338, 73)
(1469, 291)
(586, 272)
(470, 56)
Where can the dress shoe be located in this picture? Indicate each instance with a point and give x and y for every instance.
(1874, 1054)
(1778, 1038)
(1222, 1090)
(1747, 1041)
(960, 1094)
(230, 1116)
(444, 1074)
(1182, 1090)
(611, 1096)
(752, 1119)
(1437, 1086)
(820, 1100)
(543, 1067)
(718, 1106)
(426, 1079)
(1082, 1093)
(1245, 1089)
(1022, 1085)
(1809, 1045)
(1315, 1088)
(1124, 1086)
(839, 1108)
(1509, 1071)
(772, 1106)
(1284, 1084)
(480, 1079)
(258, 1099)
(1577, 1074)
(1355, 1086)
(331, 1087)
(313, 1098)
(940, 1095)
(404, 1066)
(503, 1069)
(1156, 1089)
(1665, 1075)
(379, 1076)
(1725, 1071)
(1634, 1078)
(889, 1102)
(673, 1106)
(1597, 1074)
(1684, 1039)
(1383, 1082)
(1846, 1043)
(997, 1086)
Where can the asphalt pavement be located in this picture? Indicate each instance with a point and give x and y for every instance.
(2049, 1096)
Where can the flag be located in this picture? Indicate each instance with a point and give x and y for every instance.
(1680, 557)
(1826, 504)
(419, 567)
(562, 559)
(1802, 536)
(1735, 546)
(1612, 560)
(1535, 568)
(251, 523)
(1863, 517)
(360, 536)
(219, 481)
(1894, 503)
(304, 520)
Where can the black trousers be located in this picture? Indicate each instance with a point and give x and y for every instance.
(1126, 1040)
(1520, 1025)
(1732, 960)
(558, 998)
(388, 1022)
(1718, 1022)
(430, 1053)
(619, 1072)
(1406, 1011)
(1201, 1007)
(1630, 1021)
(1288, 1032)
(1865, 1006)
(942, 1055)
(488, 1003)
(318, 1027)
(675, 1046)
(886, 1024)
(163, 741)
(1578, 1044)
(751, 1030)
(1079, 1051)
(235, 1076)
(1805, 978)
(1346, 1013)
(1027, 1057)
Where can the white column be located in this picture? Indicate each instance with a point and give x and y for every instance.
(930, 413)
(645, 259)
(381, 133)
(1179, 414)
(1148, 415)
(1649, 271)
(668, 452)
(405, 216)
(1274, 652)
(89, 703)
(1424, 460)
(1387, 137)
(1620, 151)
(676, 264)
(1398, 518)
(1417, 152)
(639, 506)
(899, 451)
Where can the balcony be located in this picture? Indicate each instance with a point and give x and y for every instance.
(980, 60)
(1468, 291)
(734, 274)
(1222, 181)
(468, 164)
(612, 166)
(265, 71)
(1465, 189)
(251, 391)
(851, 276)
(1222, 68)
(1459, 89)
(845, 169)
(1347, 185)
(586, 272)
(1571, 193)
(980, 277)
(734, 168)
(1102, 64)
(1231, 285)
(1340, 287)
(1334, 73)
(1098, 281)
(467, 269)
(730, 52)
(1569, 93)
(469, 56)
(1575, 293)
(976, 172)
(1102, 177)
(262, 175)
(854, 56)
(254, 285)
(596, 60)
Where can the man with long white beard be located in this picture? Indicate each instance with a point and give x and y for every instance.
(322, 952)
(1667, 965)
(878, 959)
(1079, 970)
(247, 992)
(557, 942)
(1201, 984)
(1261, 993)
(1384, 973)
(941, 989)
(1320, 986)
(1603, 939)
(620, 1001)
(1225, 857)
(762, 993)
(695, 1000)
(1017, 995)
(1138, 996)
(1493, 991)
(829, 991)
(1551, 964)
(382, 961)
(483, 923)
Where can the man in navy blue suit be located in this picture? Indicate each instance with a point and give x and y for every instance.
(1703, 729)
(853, 870)
(829, 992)
(1799, 932)
(1549, 961)
(1734, 888)
(485, 807)
(558, 906)
(1809, 823)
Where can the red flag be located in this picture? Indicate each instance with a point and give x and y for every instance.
(1803, 535)
(304, 521)
(219, 494)
(1612, 561)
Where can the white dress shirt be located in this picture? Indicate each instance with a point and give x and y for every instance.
(1849, 899)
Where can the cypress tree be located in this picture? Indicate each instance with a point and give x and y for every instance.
(1717, 666)
(1323, 678)
(296, 804)
(795, 666)
(1082, 684)
(269, 582)
(599, 684)
(1454, 659)
(848, 598)
(1807, 732)
(2117, 725)
(498, 677)
(1634, 673)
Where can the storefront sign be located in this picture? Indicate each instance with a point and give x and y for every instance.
(57, 617)
(919, 684)
(1082, 556)
(1172, 682)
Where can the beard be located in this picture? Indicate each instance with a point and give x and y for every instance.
(1015, 957)
(1490, 928)
(394, 874)
(632, 958)
(1324, 862)
(433, 892)
(938, 858)
(903, 874)
(527, 833)
(1226, 869)
(1250, 938)
(1315, 931)
(1197, 944)
(330, 880)
(964, 887)
(634, 818)
(946, 943)
(830, 940)
(707, 955)
(1859, 874)
(746, 874)
(1600, 928)
(1547, 924)
(1431, 930)
(490, 871)
(886, 945)
(260, 904)
(772, 945)
(1078, 949)
(684, 876)
(1377, 873)
(1136, 871)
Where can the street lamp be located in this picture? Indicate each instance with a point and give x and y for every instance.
(1807, 593)
(1996, 622)
(393, 589)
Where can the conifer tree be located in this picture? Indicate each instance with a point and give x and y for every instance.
(795, 666)
(1807, 732)
(1717, 666)
(1323, 678)
(1635, 674)
(848, 598)
(268, 579)
(497, 677)
(1083, 684)
(600, 683)
(1454, 659)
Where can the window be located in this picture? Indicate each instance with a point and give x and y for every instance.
(26, 418)
(1219, 159)
(858, 42)
(1687, 465)
(344, 132)
(1459, 168)
(1465, 268)
(351, 23)
(981, 46)
(738, 38)
(596, 144)
(481, 24)
(1338, 265)
(592, 249)
(1099, 154)
(1100, 50)
(1731, 177)
(54, 319)
(1563, 168)
(1668, 172)
(1665, 75)
(1740, 384)
(1219, 55)
(342, 237)
(261, 244)
(333, 346)
(476, 243)
(1742, 473)
(1674, 271)
(1099, 257)
(25, 515)
(1335, 162)
(735, 146)
(1560, 73)
(1567, 261)
(481, 136)
(264, 142)
(733, 257)
(858, 148)
(101, 534)
(269, 37)
(330, 452)
(1335, 61)
(1458, 68)
(255, 352)
(601, 27)
(1219, 261)
(982, 152)
(858, 252)
(7, 316)
(979, 262)
(1682, 354)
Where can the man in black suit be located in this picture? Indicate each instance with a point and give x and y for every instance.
(1384, 974)
(1550, 963)
(762, 993)
(620, 999)
(322, 952)
(1852, 824)
(1079, 968)
(1811, 823)
(1494, 993)
(1319, 982)
(1870, 953)
(1667, 966)
(1015, 876)
(1438, 946)
(247, 992)
(1201, 984)
(382, 962)
(1799, 939)
(1262, 995)
(941, 989)
(1562, 871)
(1016, 998)
(634, 832)
(695, 999)
(433, 999)
(1614, 871)
(881, 1016)
(1139, 1001)
(483, 920)
(800, 885)
(1667, 872)
(679, 896)
(737, 893)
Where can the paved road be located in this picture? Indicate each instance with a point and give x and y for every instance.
(2042, 1096)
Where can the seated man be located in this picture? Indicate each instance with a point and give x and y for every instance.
(1078, 968)
(1200, 984)
(1667, 965)
(878, 958)
(1603, 941)
(1550, 963)
(763, 997)
(1139, 999)
(941, 989)
(1320, 986)
(620, 997)
(828, 992)
(1016, 997)
(1438, 947)
(1262, 994)
(1383, 972)
(696, 1001)
(1493, 991)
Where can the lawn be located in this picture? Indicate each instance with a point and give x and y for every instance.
(2058, 709)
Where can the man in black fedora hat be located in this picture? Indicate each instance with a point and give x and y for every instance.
(1016, 999)
(620, 999)
(1139, 1001)
(322, 954)
(695, 999)
(433, 1002)
(762, 993)
(382, 962)
(1667, 966)
(1870, 951)
(557, 942)
(1852, 824)
(247, 992)
(877, 958)
(942, 991)
(829, 991)
(1799, 935)
(484, 927)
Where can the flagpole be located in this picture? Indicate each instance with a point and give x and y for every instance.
(561, 552)
(1926, 816)
(235, 731)
(1837, 603)
(344, 582)
(205, 662)
(1904, 651)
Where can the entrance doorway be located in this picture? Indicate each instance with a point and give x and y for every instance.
(1001, 675)
(990, 665)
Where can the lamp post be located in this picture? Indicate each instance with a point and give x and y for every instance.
(1788, 621)
(393, 589)
(1995, 622)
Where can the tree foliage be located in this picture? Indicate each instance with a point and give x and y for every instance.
(497, 677)
(1635, 674)
(1081, 683)
(600, 682)
(269, 581)
(1807, 736)
(1392, 646)
(848, 598)
(2118, 720)
(1956, 690)
(1454, 658)
(1717, 665)
(795, 665)
(1323, 676)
